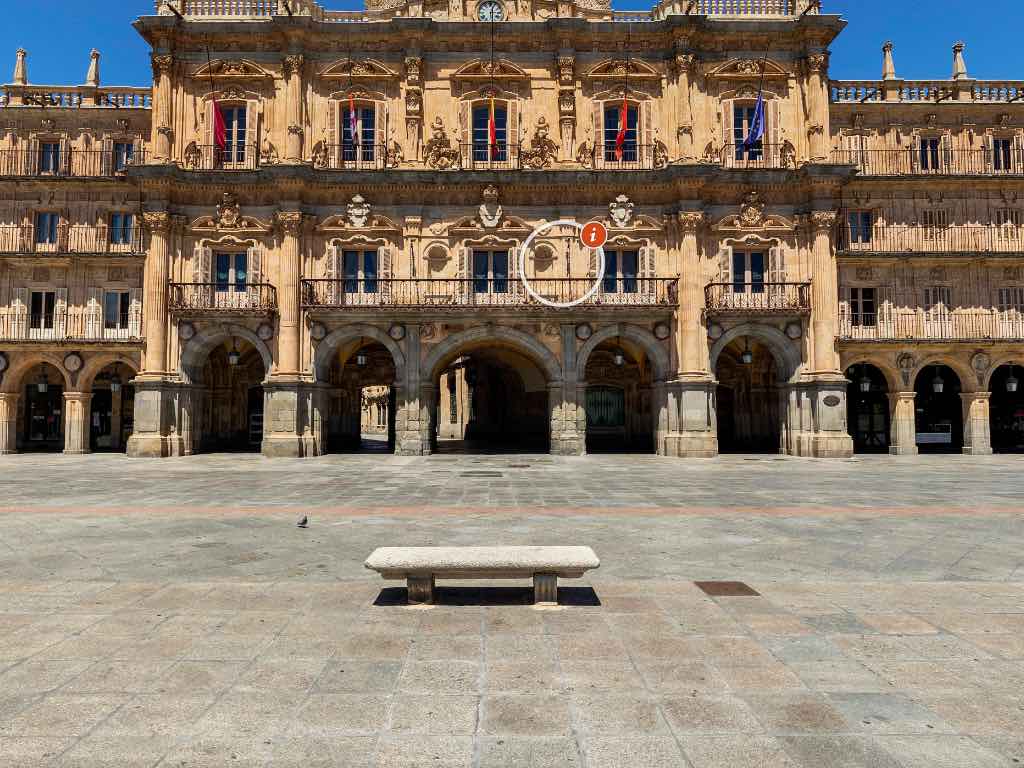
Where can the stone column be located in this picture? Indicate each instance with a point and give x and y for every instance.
(8, 422)
(163, 107)
(566, 400)
(685, 63)
(692, 336)
(76, 422)
(292, 66)
(289, 360)
(903, 424)
(817, 99)
(824, 293)
(977, 431)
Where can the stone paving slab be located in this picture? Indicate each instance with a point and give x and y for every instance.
(146, 619)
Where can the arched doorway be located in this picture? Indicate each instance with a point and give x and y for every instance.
(619, 399)
(41, 410)
(492, 400)
(939, 413)
(1006, 409)
(361, 399)
(749, 401)
(867, 402)
(230, 407)
(112, 408)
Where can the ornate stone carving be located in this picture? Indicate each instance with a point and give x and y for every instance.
(691, 221)
(268, 153)
(585, 154)
(787, 155)
(660, 154)
(413, 102)
(438, 153)
(292, 65)
(490, 210)
(321, 154)
(621, 211)
(567, 102)
(393, 155)
(162, 64)
(566, 69)
(685, 62)
(156, 221)
(980, 362)
(290, 222)
(712, 154)
(73, 362)
(542, 151)
(865, 274)
(413, 69)
(817, 62)
(358, 211)
(751, 211)
(193, 156)
(229, 213)
(823, 220)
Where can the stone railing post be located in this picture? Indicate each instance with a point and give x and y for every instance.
(903, 427)
(76, 422)
(8, 422)
(977, 430)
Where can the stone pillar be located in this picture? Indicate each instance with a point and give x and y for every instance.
(824, 294)
(284, 418)
(817, 99)
(567, 402)
(289, 360)
(903, 424)
(687, 424)
(685, 63)
(76, 422)
(8, 423)
(977, 430)
(163, 106)
(292, 66)
(692, 337)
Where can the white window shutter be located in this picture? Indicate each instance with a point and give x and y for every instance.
(513, 272)
(60, 313)
(20, 312)
(254, 267)
(776, 265)
(106, 165)
(464, 128)
(773, 135)
(252, 133)
(845, 294)
(725, 264)
(591, 262)
(728, 115)
(464, 273)
(380, 133)
(597, 116)
(202, 264)
(209, 126)
(384, 272)
(94, 314)
(135, 313)
(645, 134)
(512, 128)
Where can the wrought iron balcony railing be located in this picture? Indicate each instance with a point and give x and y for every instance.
(470, 293)
(201, 157)
(634, 157)
(998, 161)
(65, 162)
(882, 238)
(69, 239)
(348, 157)
(480, 157)
(726, 298)
(930, 325)
(258, 298)
(770, 156)
(76, 324)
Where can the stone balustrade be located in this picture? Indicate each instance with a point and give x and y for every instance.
(926, 91)
(76, 96)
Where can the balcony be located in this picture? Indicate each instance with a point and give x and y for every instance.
(480, 157)
(364, 157)
(69, 163)
(200, 157)
(77, 325)
(884, 239)
(921, 325)
(71, 239)
(76, 96)
(764, 157)
(635, 157)
(471, 294)
(918, 162)
(222, 298)
(757, 298)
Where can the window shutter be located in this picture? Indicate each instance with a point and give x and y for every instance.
(727, 124)
(464, 275)
(202, 264)
(94, 314)
(135, 313)
(64, 167)
(464, 128)
(380, 135)
(384, 272)
(252, 133)
(512, 129)
(597, 116)
(332, 149)
(254, 265)
(208, 140)
(845, 295)
(107, 157)
(773, 133)
(513, 272)
(20, 312)
(646, 132)
(591, 262)
(32, 167)
(725, 264)
(947, 150)
(60, 313)
(776, 265)
(885, 314)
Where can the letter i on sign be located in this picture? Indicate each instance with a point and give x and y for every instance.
(594, 234)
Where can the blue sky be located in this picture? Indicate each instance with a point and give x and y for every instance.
(59, 34)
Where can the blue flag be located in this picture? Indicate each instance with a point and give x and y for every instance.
(756, 125)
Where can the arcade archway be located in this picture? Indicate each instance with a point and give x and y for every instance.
(41, 414)
(112, 408)
(360, 399)
(1006, 409)
(868, 408)
(750, 399)
(618, 404)
(939, 413)
(228, 398)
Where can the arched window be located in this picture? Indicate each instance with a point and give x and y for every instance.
(358, 133)
(628, 152)
(482, 150)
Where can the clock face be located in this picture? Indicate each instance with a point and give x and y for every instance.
(490, 11)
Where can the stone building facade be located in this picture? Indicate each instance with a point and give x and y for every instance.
(854, 281)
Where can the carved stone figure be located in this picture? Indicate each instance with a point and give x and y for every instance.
(321, 154)
(542, 151)
(358, 211)
(585, 154)
(229, 213)
(621, 211)
(268, 153)
(787, 155)
(394, 155)
(438, 153)
(193, 156)
(660, 155)
(490, 209)
(751, 211)
(712, 154)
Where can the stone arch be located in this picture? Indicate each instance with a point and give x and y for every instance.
(644, 338)
(325, 349)
(1008, 358)
(968, 379)
(522, 342)
(893, 380)
(785, 352)
(95, 365)
(198, 348)
(13, 377)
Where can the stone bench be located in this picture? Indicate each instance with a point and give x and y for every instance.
(421, 566)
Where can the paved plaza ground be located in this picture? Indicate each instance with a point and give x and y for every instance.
(170, 613)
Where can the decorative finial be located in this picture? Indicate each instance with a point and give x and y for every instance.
(93, 76)
(888, 65)
(959, 65)
(21, 68)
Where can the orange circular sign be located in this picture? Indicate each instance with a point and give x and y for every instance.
(594, 234)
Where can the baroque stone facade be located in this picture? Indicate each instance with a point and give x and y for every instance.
(834, 286)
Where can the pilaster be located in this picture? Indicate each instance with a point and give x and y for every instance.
(163, 107)
(156, 276)
(76, 422)
(8, 422)
(977, 430)
(292, 66)
(289, 360)
(824, 294)
(903, 428)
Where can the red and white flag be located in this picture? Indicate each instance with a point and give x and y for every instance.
(620, 138)
(353, 123)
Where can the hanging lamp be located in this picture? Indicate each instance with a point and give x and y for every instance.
(115, 382)
(43, 385)
(865, 380)
(747, 357)
(938, 385)
(1012, 383)
(361, 356)
(233, 356)
(618, 356)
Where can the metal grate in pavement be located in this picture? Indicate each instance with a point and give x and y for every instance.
(726, 589)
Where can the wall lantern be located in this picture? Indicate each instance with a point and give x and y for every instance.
(43, 385)
(747, 357)
(1011, 382)
(938, 385)
(233, 356)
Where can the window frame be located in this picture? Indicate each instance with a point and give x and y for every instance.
(745, 257)
(631, 147)
(491, 282)
(232, 284)
(366, 149)
(616, 279)
(479, 150)
(361, 280)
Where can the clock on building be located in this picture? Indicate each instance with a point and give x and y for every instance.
(490, 11)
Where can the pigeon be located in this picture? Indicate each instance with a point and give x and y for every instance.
(304, 522)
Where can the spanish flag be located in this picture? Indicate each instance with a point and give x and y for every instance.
(620, 138)
(492, 131)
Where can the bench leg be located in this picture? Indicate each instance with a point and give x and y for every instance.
(421, 589)
(545, 589)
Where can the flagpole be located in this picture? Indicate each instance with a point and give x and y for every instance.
(218, 128)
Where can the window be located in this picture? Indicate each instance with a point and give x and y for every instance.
(612, 115)
(742, 119)
(42, 310)
(937, 301)
(46, 228)
(362, 148)
(1011, 300)
(121, 228)
(1002, 154)
(748, 272)
(860, 224)
(235, 131)
(231, 272)
(360, 268)
(123, 155)
(481, 132)
(928, 153)
(115, 310)
(490, 271)
(49, 157)
(934, 222)
(863, 308)
(620, 270)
